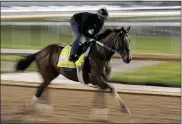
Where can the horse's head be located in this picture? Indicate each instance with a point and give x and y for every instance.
(117, 40)
(122, 43)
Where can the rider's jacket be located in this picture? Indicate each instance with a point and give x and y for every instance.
(88, 21)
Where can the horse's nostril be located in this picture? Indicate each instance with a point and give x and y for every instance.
(129, 59)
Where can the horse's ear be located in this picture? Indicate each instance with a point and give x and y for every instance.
(128, 29)
(123, 30)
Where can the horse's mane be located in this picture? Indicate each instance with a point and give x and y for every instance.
(103, 34)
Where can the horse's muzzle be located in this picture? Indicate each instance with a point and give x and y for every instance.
(127, 59)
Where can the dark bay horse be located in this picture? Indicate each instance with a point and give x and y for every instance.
(97, 69)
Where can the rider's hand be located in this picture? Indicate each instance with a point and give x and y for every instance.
(92, 39)
(91, 31)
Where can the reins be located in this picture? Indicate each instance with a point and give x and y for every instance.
(105, 46)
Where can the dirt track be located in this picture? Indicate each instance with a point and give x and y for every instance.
(75, 106)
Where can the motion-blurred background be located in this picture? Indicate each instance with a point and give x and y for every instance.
(155, 35)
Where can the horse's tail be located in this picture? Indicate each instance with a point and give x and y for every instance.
(24, 63)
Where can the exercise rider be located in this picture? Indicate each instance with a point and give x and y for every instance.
(88, 25)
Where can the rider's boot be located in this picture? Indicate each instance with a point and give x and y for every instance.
(73, 52)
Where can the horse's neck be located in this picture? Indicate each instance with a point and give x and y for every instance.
(102, 52)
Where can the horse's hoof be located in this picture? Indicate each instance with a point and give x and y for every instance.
(125, 109)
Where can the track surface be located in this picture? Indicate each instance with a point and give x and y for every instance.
(75, 106)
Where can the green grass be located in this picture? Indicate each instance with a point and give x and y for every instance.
(163, 74)
(37, 37)
(10, 57)
(13, 59)
(34, 37)
(155, 44)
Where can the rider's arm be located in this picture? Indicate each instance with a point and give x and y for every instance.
(90, 23)
(91, 30)
(97, 29)
(98, 25)
(85, 29)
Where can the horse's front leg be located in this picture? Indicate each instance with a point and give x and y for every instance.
(97, 73)
(104, 86)
(123, 106)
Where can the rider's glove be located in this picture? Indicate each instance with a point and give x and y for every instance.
(91, 40)
(91, 31)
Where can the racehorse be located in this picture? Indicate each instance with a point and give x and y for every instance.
(96, 70)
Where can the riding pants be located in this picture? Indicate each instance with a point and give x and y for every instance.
(75, 44)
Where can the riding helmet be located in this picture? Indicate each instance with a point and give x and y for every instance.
(103, 13)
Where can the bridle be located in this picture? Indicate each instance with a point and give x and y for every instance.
(110, 49)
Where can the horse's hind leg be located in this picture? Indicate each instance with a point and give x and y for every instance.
(38, 93)
(48, 74)
(41, 89)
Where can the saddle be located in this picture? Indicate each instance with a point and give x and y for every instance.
(81, 53)
(82, 48)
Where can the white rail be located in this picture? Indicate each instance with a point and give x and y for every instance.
(112, 14)
(83, 8)
(17, 51)
(106, 24)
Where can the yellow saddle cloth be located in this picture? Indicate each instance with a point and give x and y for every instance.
(64, 59)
